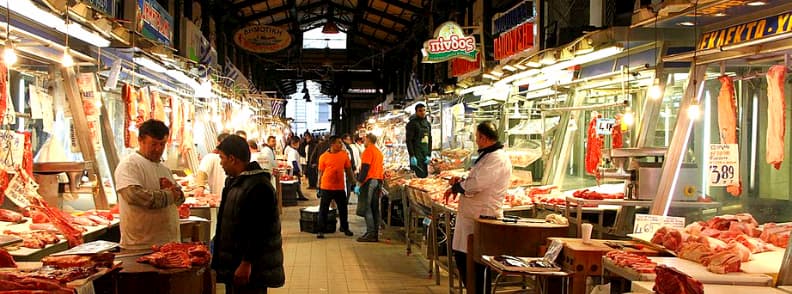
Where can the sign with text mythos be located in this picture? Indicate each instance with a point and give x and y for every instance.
(449, 42)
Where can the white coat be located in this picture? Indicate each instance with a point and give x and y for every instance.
(485, 189)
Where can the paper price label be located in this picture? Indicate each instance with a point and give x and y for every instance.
(605, 126)
(645, 223)
(724, 166)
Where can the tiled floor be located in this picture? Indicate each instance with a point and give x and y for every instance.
(339, 264)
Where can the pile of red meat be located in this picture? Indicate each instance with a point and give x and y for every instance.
(35, 239)
(205, 200)
(178, 255)
(56, 273)
(17, 282)
(70, 261)
(639, 263)
(11, 216)
(671, 281)
(722, 242)
(594, 195)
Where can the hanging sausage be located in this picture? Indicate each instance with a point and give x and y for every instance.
(776, 120)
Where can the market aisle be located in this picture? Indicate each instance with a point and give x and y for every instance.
(339, 264)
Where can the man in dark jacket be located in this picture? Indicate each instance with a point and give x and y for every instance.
(306, 147)
(248, 249)
(313, 158)
(419, 141)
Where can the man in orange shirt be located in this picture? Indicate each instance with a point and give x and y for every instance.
(334, 169)
(369, 185)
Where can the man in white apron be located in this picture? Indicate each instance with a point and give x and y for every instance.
(482, 192)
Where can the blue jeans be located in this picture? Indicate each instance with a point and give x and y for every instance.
(371, 189)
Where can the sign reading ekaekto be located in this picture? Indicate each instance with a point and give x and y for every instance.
(449, 42)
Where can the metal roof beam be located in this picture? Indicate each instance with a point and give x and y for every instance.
(405, 6)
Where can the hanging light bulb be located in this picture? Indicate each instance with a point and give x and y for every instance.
(694, 111)
(628, 118)
(9, 55)
(67, 60)
(655, 91)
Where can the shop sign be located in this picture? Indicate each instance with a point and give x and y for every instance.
(262, 38)
(105, 6)
(749, 31)
(460, 67)
(195, 46)
(604, 126)
(154, 22)
(513, 17)
(515, 41)
(449, 42)
(645, 223)
(724, 165)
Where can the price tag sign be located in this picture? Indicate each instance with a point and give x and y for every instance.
(724, 165)
(605, 126)
(645, 223)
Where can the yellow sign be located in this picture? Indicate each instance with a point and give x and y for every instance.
(262, 38)
(754, 30)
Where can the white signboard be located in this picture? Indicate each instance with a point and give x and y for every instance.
(605, 126)
(645, 223)
(724, 166)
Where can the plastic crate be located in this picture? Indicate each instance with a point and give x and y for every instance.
(309, 220)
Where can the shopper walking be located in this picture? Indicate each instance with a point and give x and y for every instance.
(306, 147)
(148, 194)
(369, 185)
(334, 169)
(248, 248)
(419, 141)
(482, 193)
(293, 157)
(317, 150)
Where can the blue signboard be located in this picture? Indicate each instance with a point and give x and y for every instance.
(749, 31)
(105, 6)
(154, 22)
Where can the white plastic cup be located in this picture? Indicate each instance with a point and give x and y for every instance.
(586, 232)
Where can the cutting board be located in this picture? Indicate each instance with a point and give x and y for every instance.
(646, 287)
(764, 263)
(701, 273)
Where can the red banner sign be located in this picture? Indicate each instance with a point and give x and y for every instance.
(515, 41)
(461, 67)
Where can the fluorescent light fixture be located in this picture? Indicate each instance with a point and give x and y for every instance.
(510, 68)
(150, 64)
(182, 78)
(32, 11)
(756, 3)
(583, 59)
(547, 59)
(686, 24)
(520, 66)
(496, 72)
(533, 63)
(517, 76)
(78, 31)
(694, 112)
(489, 76)
(481, 91)
(473, 89)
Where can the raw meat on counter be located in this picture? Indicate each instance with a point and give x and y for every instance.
(777, 235)
(6, 260)
(671, 281)
(776, 115)
(639, 263)
(92, 260)
(184, 211)
(594, 195)
(178, 255)
(11, 216)
(62, 275)
(16, 281)
(73, 235)
(35, 239)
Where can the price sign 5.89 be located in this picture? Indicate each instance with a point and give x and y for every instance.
(724, 166)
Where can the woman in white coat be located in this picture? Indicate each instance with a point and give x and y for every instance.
(483, 192)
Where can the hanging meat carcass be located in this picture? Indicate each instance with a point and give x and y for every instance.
(776, 120)
(727, 121)
(593, 147)
(617, 139)
(3, 90)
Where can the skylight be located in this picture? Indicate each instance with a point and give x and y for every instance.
(315, 39)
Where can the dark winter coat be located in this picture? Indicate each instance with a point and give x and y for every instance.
(249, 228)
(416, 129)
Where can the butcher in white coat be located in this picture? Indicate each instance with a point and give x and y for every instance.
(482, 192)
